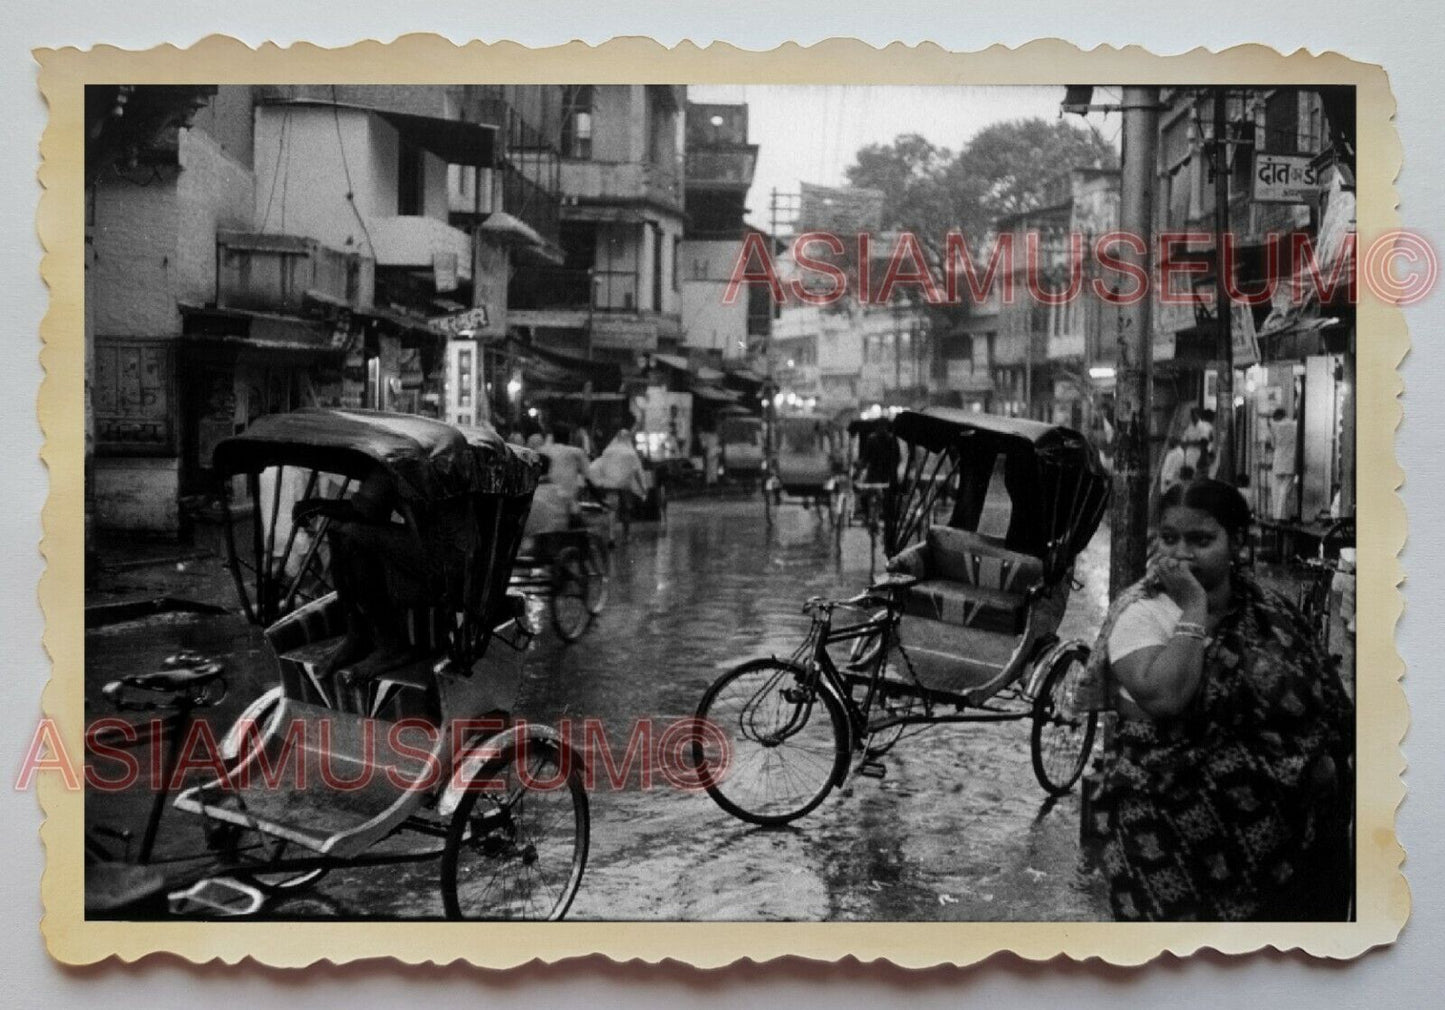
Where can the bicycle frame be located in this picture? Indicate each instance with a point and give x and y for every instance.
(820, 667)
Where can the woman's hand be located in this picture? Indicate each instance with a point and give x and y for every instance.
(1178, 581)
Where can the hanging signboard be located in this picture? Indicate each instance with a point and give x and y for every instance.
(467, 322)
(1285, 178)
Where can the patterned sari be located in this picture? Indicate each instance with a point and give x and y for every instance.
(1225, 812)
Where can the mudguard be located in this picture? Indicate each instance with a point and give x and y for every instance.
(478, 752)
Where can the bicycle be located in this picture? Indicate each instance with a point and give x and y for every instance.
(782, 761)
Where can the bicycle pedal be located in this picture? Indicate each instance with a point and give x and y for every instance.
(872, 769)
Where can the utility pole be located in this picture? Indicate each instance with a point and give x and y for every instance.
(1223, 309)
(1129, 520)
(770, 389)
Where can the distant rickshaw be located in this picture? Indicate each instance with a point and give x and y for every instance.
(807, 467)
(740, 442)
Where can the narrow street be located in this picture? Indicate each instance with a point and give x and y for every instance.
(957, 829)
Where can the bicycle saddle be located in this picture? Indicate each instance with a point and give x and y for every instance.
(179, 678)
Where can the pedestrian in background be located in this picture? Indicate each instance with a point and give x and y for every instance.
(1169, 468)
(618, 473)
(1284, 444)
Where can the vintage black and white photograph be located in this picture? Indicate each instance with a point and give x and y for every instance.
(720, 502)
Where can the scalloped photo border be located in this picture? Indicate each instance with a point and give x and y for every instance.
(1383, 897)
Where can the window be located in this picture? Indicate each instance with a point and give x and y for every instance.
(464, 377)
(577, 121)
(1311, 123)
(410, 180)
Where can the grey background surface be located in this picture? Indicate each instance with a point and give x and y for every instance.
(1406, 37)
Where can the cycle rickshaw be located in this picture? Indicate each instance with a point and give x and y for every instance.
(446, 772)
(806, 466)
(963, 629)
(570, 570)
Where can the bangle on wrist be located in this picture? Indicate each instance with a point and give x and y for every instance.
(1190, 629)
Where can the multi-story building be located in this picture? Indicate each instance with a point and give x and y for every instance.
(1050, 354)
(1291, 177)
(282, 247)
(719, 172)
(617, 293)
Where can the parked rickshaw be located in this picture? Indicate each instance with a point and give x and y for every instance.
(874, 460)
(807, 467)
(741, 445)
(962, 629)
(426, 757)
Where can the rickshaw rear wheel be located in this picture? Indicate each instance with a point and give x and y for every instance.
(571, 612)
(1060, 745)
(517, 844)
(787, 742)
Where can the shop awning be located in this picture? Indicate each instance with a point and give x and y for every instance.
(542, 366)
(452, 140)
(710, 374)
(746, 375)
(715, 394)
(672, 361)
(601, 212)
(241, 329)
(514, 231)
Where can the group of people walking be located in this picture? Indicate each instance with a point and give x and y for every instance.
(616, 476)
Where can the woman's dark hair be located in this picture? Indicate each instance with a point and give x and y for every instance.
(1220, 500)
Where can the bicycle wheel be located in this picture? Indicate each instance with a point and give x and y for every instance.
(784, 754)
(599, 573)
(1059, 744)
(570, 612)
(517, 843)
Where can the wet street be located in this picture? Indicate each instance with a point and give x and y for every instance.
(957, 829)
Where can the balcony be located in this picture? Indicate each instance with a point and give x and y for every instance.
(418, 242)
(1063, 346)
(623, 182)
(278, 273)
(722, 167)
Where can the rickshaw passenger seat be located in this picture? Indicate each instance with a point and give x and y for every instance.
(968, 579)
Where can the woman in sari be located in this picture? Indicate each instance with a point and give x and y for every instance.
(1227, 790)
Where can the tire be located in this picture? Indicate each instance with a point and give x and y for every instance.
(1060, 747)
(599, 574)
(785, 750)
(517, 843)
(571, 615)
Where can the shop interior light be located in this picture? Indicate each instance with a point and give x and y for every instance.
(514, 388)
(1101, 372)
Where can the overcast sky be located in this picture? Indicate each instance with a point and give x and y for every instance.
(810, 133)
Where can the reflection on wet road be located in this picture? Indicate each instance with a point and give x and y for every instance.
(957, 829)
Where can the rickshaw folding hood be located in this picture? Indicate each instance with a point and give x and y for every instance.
(1054, 478)
(428, 459)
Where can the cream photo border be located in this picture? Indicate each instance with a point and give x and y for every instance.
(1383, 901)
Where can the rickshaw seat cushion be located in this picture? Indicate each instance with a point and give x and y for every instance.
(966, 605)
(968, 579)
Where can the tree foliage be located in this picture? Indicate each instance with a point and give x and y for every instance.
(1005, 168)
